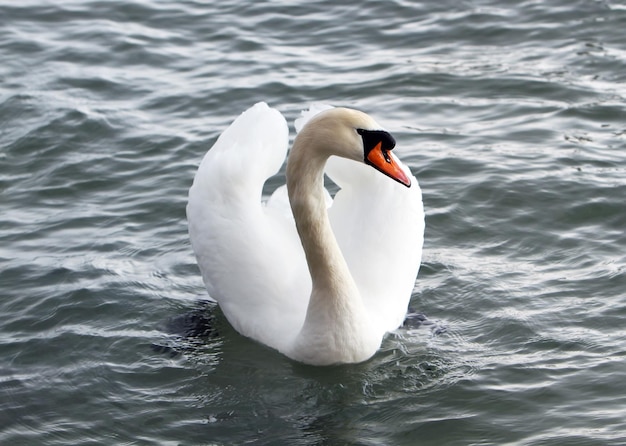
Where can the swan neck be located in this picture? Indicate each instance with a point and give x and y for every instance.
(305, 184)
(336, 327)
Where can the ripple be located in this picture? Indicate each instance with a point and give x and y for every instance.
(510, 115)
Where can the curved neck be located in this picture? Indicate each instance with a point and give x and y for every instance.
(330, 275)
(336, 327)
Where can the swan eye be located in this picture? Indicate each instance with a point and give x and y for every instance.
(386, 155)
(371, 138)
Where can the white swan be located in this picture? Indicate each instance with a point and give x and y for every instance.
(328, 291)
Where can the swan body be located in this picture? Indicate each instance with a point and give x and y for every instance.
(321, 280)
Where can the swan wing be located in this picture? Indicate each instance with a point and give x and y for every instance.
(248, 252)
(379, 225)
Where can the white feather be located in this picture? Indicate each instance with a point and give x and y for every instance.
(251, 257)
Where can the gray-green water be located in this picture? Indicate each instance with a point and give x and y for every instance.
(511, 114)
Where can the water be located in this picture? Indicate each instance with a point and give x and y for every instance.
(511, 114)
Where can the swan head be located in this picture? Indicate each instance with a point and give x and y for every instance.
(352, 134)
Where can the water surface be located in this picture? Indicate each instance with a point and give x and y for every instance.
(511, 115)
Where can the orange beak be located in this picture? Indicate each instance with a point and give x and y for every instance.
(385, 162)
